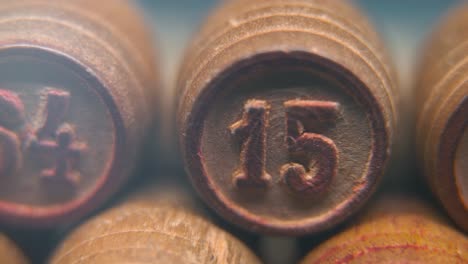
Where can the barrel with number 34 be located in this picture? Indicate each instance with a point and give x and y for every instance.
(287, 113)
(76, 83)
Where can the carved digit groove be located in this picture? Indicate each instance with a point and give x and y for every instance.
(56, 108)
(301, 180)
(53, 138)
(11, 118)
(56, 140)
(66, 154)
(10, 153)
(310, 178)
(251, 130)
(302, 176)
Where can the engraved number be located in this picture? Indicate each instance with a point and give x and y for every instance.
(11, 119)
(251, 130)
(305, 176)
(314, 157)
(54, 142)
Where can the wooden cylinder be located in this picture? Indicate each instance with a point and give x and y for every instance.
(152, 228)
(77, 96)
(395, 230)
(442, 96)
(287, 113)
(10, 253)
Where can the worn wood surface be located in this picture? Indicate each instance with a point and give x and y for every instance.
(442, 97)
(10, 253)
(395, 230)
(159, 226)
(77, 98)
(287, 113)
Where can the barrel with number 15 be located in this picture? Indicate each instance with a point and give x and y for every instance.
(287, 113)
(76, 100)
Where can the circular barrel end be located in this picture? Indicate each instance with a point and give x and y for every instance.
(286, 143)
(287, 114)
(61, 132)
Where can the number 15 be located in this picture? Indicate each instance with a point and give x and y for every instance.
(314, 157)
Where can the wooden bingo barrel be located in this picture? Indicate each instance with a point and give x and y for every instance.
(395, 230)
(442, 96)
(10, 253)
(287, 113)
(77, 97)
(152, 228)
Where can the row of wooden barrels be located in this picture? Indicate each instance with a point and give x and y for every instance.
(288, 114)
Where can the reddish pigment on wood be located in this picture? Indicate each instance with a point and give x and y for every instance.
(57, 107)
(326, 103)
(313, 176)
(251, 130)
(73, 117)
(10, 153)
(12, 113)
(55, 140)
(395, 230)
(65, 152)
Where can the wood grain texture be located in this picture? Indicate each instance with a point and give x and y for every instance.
(395, 230)
(10, 253)
(85, 75)
(442, 98)
(314, 146)
(152, 228)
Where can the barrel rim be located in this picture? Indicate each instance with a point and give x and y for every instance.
(17, 214)
(191, 134)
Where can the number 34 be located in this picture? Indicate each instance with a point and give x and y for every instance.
(314, 157)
